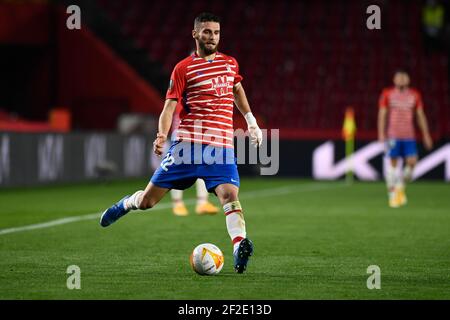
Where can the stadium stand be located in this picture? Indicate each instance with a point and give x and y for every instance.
(321, 55)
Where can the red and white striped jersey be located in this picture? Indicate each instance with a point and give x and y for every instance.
(401, 107)
(205, 90)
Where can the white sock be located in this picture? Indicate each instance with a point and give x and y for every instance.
(407, 173)
(177, 196)
(202, 193)
(400, 185)
(400, 181)
(391, 179)
(133, 202)
(235, 223)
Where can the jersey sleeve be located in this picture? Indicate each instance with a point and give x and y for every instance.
(177, 83)
(419, 102)
(383, 100)
(237, 77)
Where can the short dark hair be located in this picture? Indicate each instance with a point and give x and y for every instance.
(401, 70)
(206, 17)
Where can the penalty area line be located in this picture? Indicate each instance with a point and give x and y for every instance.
(244, 195)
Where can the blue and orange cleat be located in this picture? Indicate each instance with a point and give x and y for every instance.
(241, 255)
(114, 213)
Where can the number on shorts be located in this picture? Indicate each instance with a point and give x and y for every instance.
(167, 161)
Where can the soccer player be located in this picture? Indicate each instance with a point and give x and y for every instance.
(399, 104)
(207, 83)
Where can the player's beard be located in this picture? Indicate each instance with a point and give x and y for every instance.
(206, 50)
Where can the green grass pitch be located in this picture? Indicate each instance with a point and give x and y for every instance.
(313, 240)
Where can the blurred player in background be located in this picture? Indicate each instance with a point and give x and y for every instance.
(207, 83)
(397, 107)
(178, 207)
(203, 206)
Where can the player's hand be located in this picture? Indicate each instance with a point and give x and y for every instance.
(428, 142)
(158, 144)
(255, 135)
(382, 138)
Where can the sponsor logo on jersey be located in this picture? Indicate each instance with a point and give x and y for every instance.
(220, 84)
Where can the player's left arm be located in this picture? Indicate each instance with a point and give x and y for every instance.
(422, 122)
(423, 125)
(240, 99)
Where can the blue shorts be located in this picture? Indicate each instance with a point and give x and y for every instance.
(402, 148)
(185, 162)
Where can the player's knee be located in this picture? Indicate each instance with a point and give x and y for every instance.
(393, 162)
(229, 196)
(411, 162)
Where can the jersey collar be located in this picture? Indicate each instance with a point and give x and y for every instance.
(195, 55)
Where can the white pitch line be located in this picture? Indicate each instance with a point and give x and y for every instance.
(250, 194)
(57, 222)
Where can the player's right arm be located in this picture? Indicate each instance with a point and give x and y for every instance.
(165, 122)
(174, 94)
(382, 116)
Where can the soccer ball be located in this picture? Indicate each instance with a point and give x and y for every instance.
(207, 259)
